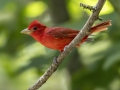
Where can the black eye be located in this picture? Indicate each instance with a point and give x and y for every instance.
(34, 28)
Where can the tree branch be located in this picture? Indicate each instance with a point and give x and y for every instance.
(84, 31)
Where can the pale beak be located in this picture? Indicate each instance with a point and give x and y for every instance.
(25, 31)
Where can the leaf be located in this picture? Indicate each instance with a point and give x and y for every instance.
(112, 59)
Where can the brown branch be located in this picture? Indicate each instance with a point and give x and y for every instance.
(84, 31)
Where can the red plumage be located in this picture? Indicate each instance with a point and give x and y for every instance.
(58, 37)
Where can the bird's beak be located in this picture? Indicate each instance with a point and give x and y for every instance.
(25, 31)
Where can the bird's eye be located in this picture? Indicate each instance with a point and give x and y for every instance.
(34, 28)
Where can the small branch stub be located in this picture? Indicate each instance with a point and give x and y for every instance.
(99, 18)
(91, 8)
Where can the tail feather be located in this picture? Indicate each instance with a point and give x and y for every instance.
(97, 28)
(101, 27)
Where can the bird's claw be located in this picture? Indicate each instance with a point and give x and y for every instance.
(65, 47)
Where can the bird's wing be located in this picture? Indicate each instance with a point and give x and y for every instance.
(60, 32)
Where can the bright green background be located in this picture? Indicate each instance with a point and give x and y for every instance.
(93, 66)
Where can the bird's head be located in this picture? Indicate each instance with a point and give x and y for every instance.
(34, 28)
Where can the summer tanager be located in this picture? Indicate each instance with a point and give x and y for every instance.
(58, 37)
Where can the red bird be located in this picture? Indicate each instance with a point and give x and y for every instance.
(58, 37)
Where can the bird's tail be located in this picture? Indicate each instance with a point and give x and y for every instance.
(97, 28)
(100, 27)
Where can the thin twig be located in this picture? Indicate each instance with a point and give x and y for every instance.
(91, 8)
(84, 31)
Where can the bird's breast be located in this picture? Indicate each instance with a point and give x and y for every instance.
(55, 43)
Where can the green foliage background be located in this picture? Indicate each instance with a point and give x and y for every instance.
(93, 66)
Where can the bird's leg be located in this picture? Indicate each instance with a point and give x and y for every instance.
(65, 48)
(55, 58)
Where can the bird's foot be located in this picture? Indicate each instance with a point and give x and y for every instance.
(65, 47)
